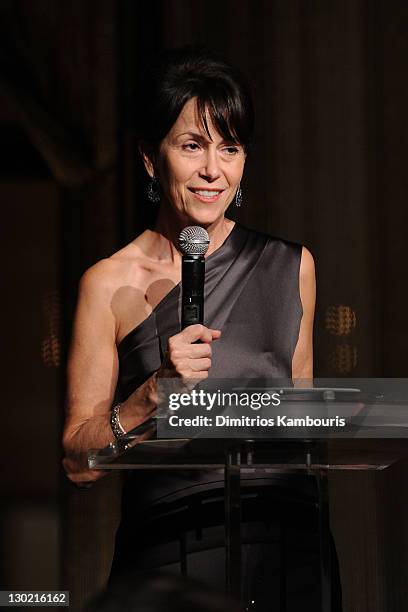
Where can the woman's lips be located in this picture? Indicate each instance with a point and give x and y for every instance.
(206, 195)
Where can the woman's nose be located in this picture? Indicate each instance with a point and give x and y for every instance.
(210, 170)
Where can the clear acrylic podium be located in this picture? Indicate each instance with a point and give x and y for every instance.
(236, 457)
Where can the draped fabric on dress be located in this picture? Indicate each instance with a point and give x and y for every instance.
(252, 295)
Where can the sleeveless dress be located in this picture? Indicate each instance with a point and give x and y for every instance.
(174, 520)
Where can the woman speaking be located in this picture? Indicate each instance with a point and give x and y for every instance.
(194, 135)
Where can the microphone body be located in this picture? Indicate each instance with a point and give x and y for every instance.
(192, 283)
(193, 242)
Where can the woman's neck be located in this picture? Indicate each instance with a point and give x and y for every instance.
(168, 227)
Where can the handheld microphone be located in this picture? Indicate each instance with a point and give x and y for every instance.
(194, 242)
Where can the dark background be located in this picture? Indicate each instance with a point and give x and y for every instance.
(328, 170)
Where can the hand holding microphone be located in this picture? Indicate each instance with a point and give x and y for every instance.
(189, 352)
(185, 357)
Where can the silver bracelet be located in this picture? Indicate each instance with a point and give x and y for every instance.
(115, 423)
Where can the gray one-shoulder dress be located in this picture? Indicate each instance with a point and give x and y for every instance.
(174, 520)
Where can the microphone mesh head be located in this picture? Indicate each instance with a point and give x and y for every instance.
(194, 240)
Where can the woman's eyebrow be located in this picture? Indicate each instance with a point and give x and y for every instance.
(195, 135)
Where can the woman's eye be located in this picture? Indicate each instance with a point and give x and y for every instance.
(231, 150)
(191, 146)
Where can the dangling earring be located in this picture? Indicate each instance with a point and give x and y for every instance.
(238, 196)
(153, 190)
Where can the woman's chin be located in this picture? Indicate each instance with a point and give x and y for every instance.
(204, 217)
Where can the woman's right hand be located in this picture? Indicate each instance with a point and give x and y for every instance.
(186, 358)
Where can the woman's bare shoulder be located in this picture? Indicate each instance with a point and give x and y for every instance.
(120, 268)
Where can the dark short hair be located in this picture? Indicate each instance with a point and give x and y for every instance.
(193, 72)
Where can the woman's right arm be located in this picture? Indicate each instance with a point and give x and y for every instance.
(92, 376)
(93, 373)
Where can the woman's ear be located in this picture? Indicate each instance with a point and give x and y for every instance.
(147, 158)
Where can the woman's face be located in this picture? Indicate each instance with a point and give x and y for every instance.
(199, 174)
